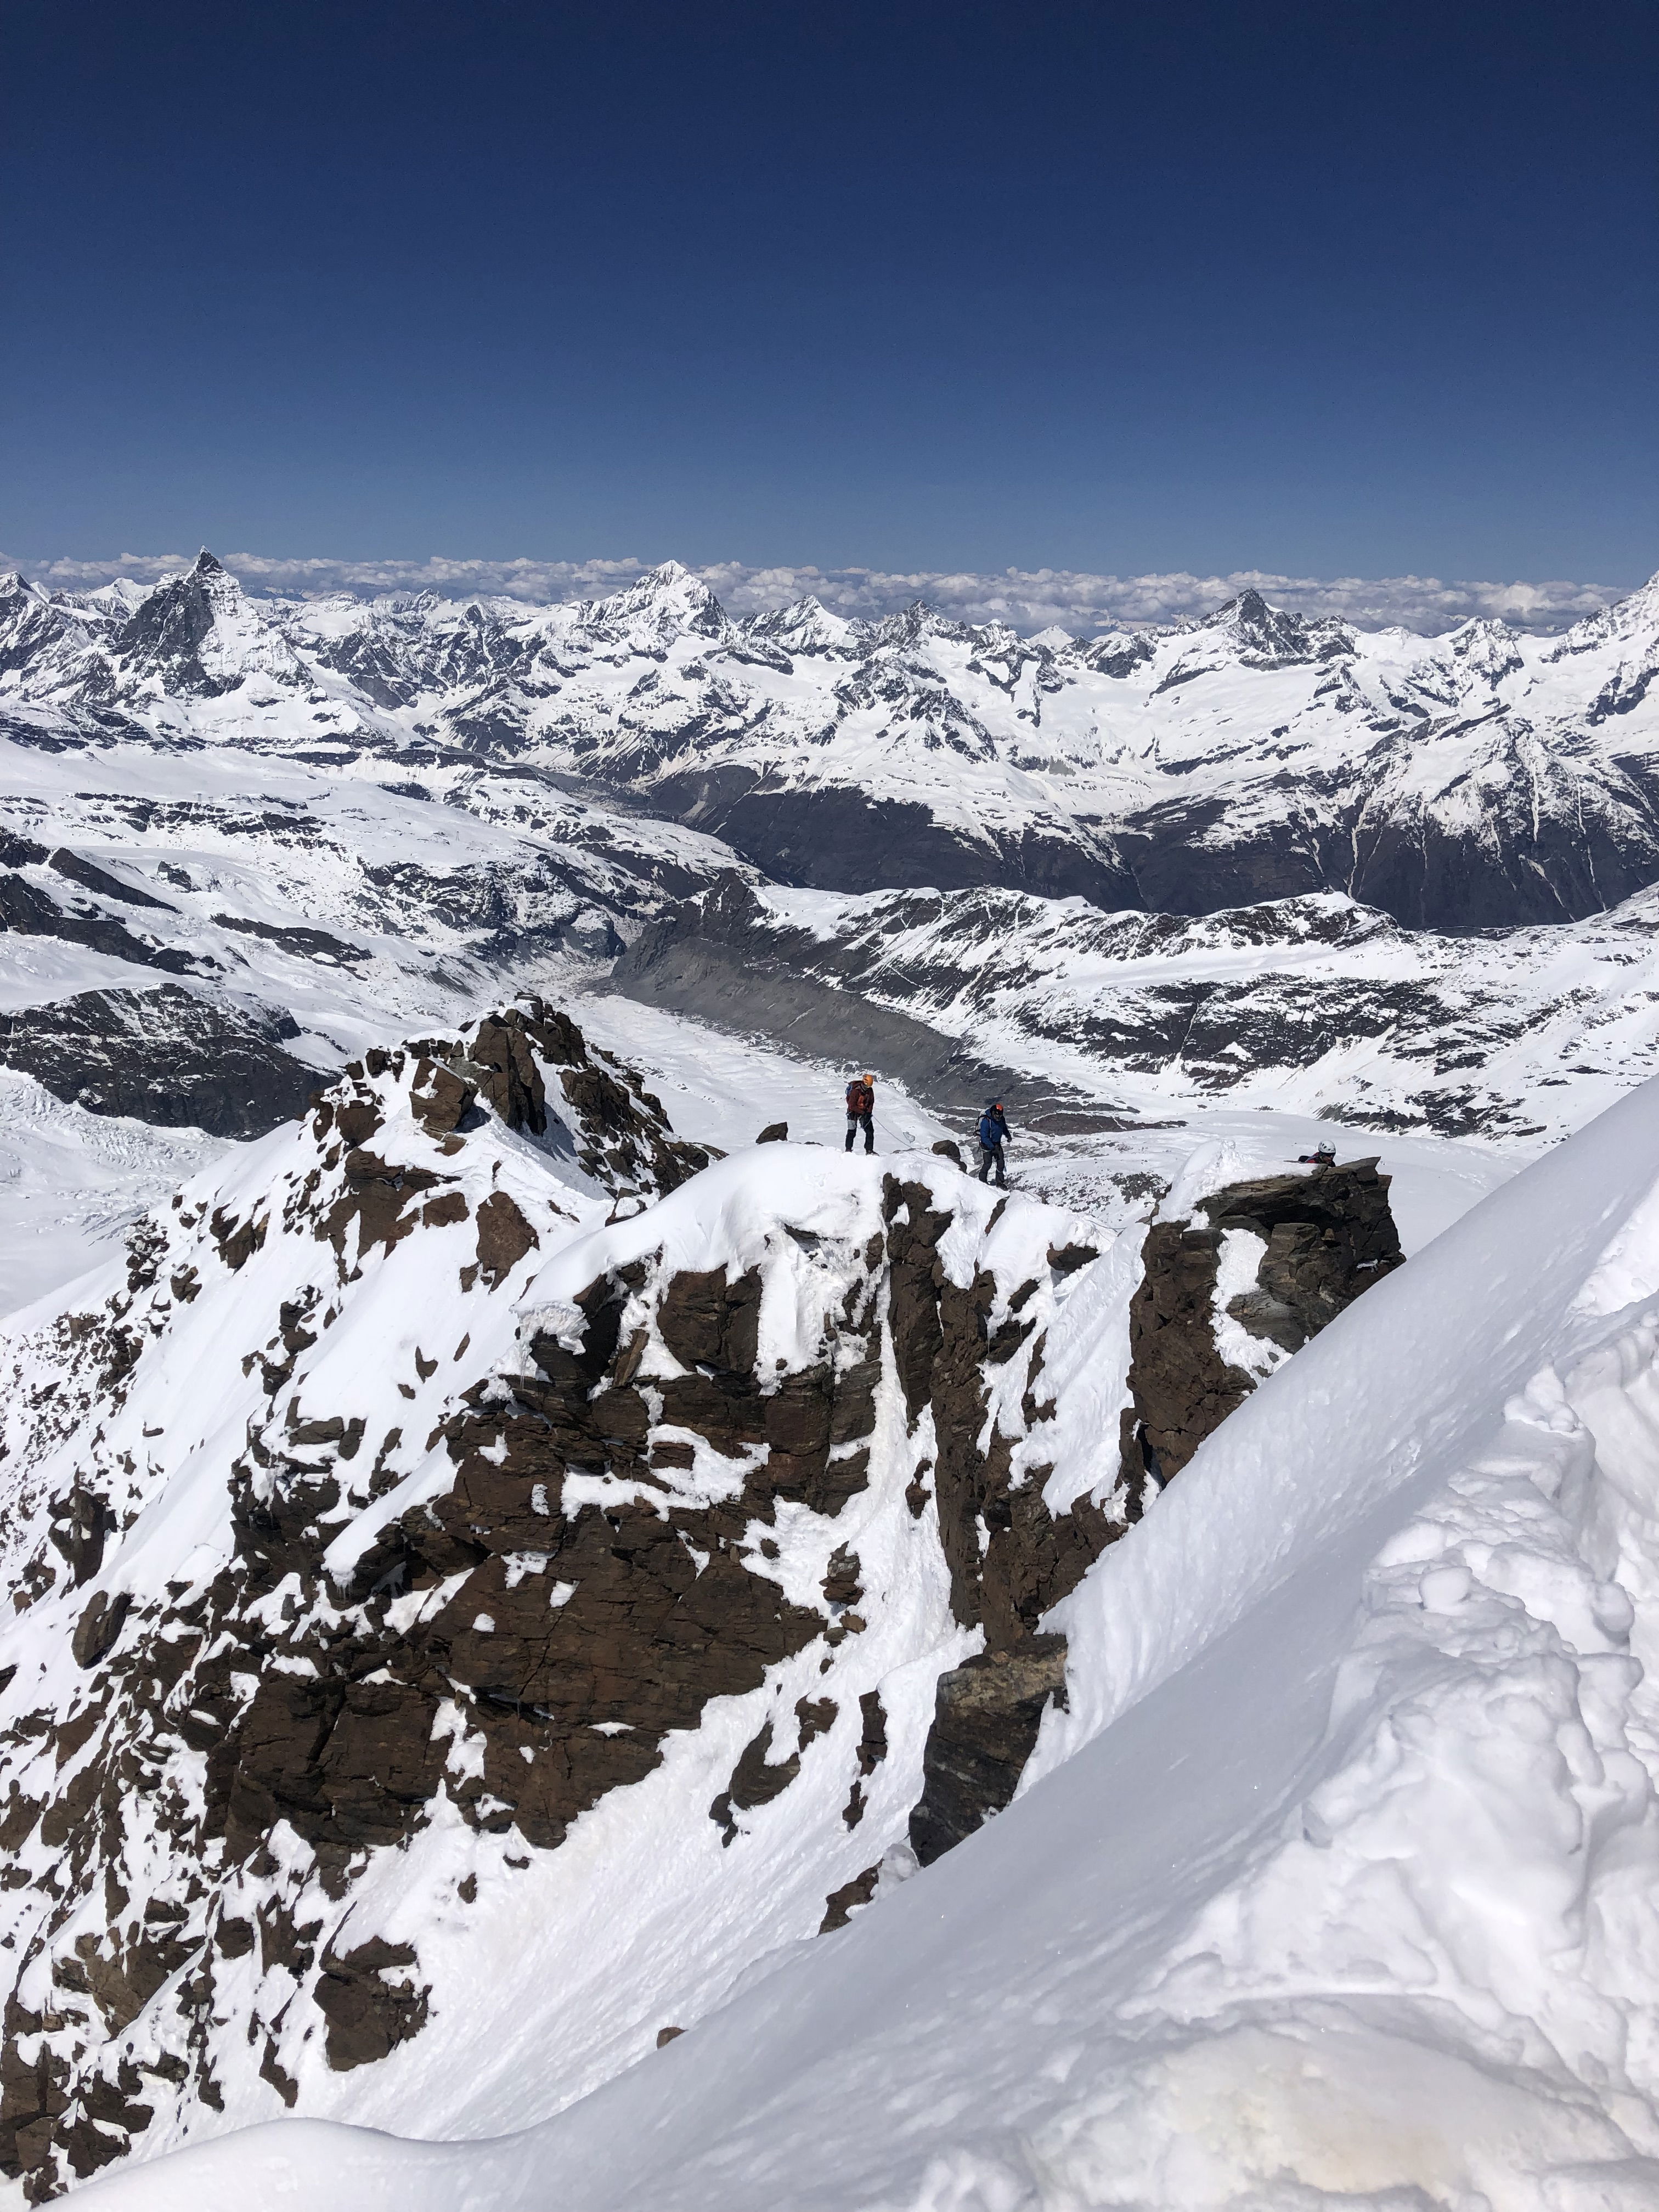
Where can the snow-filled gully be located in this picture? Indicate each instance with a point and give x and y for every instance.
(1338, 1885)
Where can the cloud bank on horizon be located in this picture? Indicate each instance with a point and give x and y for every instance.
(1028, 599)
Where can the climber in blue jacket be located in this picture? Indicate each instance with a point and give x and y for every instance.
(993, 1133)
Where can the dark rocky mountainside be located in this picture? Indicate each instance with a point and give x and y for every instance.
(354, 1559)
(165, 1056)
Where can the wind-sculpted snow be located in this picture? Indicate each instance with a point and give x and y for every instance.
(1334, 1882)
(483, 1577)
(1485, 778)
(1313, 1004)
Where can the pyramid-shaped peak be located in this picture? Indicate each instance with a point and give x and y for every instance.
(805, 625)
(668, 598)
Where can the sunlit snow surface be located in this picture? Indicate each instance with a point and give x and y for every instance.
(71, 1181)
(1339, 1883)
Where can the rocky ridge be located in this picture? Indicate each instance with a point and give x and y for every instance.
(410, 1496)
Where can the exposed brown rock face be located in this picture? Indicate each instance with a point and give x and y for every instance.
(842, 1904)
(616, 1129)
(985, 1718)
(1010, 1558)
(1329, 1236)
(504, 1238)
(368, 2015)
(525, 1638)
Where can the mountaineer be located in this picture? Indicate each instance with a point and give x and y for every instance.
(861, 1110)
(993, 1133)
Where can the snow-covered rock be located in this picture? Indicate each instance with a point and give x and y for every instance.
(482, 1585)
(1335, 1883)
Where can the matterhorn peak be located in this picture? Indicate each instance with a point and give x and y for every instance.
(661, 604)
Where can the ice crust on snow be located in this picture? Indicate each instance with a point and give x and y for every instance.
(1337, 1884)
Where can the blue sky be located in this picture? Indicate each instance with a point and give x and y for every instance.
(1338, 289)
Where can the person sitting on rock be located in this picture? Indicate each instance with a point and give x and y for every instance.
(993, 1134)
(861, 1110)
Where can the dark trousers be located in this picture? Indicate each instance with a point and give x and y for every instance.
(867, 1123)
(989, 1155)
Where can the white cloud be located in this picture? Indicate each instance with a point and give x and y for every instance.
(1026, 599)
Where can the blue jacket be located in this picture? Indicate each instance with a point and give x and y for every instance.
(992, 1127)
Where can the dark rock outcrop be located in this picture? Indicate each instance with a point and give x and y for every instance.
(1010, 1558)
(368, 2016)
(1328, 1234)
(985, 1717)
(166, 1056)
(28, 909)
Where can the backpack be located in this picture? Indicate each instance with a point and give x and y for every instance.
(990, 1135)
(861, 1099)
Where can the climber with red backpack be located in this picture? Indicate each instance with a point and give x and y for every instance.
(861, 1110)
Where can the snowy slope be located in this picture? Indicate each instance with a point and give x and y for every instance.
(1336, 1883)
(1484, 778)
(71, 1181)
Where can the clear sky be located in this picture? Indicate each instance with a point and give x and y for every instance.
(1336, 289)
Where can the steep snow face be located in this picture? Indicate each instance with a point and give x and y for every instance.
(1485, 778)
(1335, 1883)
(482, 1586)
(1313, 1004)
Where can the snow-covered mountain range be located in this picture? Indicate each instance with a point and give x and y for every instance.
(1311, 1004)
(525, 1597)
(1483, 779)
(242, 840)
